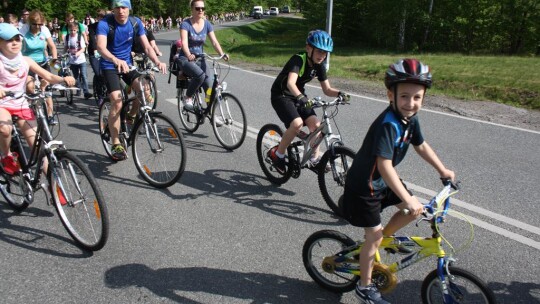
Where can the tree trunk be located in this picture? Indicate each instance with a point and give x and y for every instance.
(428, 25)
(402, 27)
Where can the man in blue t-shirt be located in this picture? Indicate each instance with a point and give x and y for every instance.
(115, 62)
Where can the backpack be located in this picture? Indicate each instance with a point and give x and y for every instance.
(79, 32)
(112, 27)
(173, 64)
(304, 57)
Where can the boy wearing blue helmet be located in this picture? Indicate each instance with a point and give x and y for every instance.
(289, 98)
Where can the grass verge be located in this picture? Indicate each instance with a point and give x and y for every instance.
(503, 79)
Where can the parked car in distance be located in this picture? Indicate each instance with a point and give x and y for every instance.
(286, 9)
(257, 12)
(274, 11)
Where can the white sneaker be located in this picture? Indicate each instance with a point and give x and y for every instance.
(219, 121)
(188, 103)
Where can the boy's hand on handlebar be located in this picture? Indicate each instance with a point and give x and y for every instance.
(226, 57)
(414, 206)
(303, 101)
(449, 174)
(344, 96)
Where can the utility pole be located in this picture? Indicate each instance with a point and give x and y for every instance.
(329, 9)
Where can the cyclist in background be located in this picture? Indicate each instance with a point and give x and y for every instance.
(74, 44)
(116, 59)
(372, 182)
(64, 30)
(14, 69)
(288, 94)
(194, 31)
(37, 38)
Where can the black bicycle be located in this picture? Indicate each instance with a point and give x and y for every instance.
(71, 186)
(224, 110)
(158, 150)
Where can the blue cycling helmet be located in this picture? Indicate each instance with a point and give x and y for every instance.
(321, 40)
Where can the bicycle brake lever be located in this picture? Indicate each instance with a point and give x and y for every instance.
(424, 218)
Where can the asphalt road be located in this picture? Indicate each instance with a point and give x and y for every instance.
(224, 234)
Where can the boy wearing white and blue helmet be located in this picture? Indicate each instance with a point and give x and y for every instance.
(289, 98)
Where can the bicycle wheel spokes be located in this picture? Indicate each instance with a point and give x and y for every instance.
(159, 151)
(17, 193)
(332, 173)
(79, 201)
(189, 120)
(229, 121)
(270, 136)
(103, 122)
(317, 255)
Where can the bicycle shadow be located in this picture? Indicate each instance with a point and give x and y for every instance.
(241, 188)
(192, 144)
(516, 292)
(34, 239)
(172, 283)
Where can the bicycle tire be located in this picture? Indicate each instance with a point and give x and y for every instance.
(229, 121)
(17, 194)
(332, 182)
(189, 119)
(99, 88)
(322, 244)
(270, 136)
(81, 206)
(153, 90)
(103, 123)
(162, 167)
(461, 283)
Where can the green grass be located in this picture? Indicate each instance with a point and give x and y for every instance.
(503, 79)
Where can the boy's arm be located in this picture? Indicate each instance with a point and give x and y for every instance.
(427, 153)
(328, 90)
(291, 84)
(391, 178)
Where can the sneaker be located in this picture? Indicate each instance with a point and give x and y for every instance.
(118, 153)
(10, 163)
(219, 121)
(369, 295)
(51, 120)
(88, 95)
(188, 103)
(61, 197)
(279, 163)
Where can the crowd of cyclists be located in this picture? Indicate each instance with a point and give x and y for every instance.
(28, 44)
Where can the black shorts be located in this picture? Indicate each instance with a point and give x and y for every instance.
(112, 79)
(365, 211)
(44, 65)
(287, 111)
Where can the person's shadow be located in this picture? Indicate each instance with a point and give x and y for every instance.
(261, 288)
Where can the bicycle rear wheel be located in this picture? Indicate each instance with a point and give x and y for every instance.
(158, 150)
(78, 201)
(462, 285)
(332, 182)
(189, 119)
(103, 122)
(317, 255)
(229, 121)
(270, 136)
(17, 193)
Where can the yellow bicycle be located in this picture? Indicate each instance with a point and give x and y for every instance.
(332, 260)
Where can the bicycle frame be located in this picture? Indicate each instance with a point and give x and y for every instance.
(314, 139)
(347, 261)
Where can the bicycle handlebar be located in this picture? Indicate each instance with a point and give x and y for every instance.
(40, 95)
(432, 207)
(317, 102)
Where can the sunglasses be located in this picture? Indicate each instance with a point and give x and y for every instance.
(199, 8)
(37, 24)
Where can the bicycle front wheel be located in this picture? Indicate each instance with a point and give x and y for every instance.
(317, 255)
(332, 174)
(462, 286)
(229, 121)
(159, 151)
(270, 136)
(78, 201)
